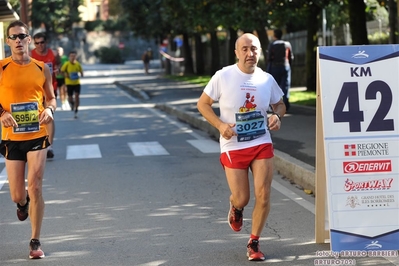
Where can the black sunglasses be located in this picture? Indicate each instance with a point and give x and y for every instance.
(20, 36)
(42, 42)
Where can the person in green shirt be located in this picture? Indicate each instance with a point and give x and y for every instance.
(61, 79)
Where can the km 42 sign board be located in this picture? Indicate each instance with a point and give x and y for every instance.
(359, 104)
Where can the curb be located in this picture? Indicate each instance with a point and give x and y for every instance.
(132, 91)
(293, 169)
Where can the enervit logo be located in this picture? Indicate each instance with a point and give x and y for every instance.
(367, 166)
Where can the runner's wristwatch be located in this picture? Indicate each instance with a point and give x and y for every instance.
(51, 109)
(279, 117)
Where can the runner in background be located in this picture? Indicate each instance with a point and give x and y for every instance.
(42, 53)
(61, 79)
(71, 70)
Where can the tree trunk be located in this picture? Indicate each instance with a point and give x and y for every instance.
(264, 42)
(311, 44)
(215, 58)
(393, 22)
(188, 58)
(232, 46)
(357, 22)
(199, 55)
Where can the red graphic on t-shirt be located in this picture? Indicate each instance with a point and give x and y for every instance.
(248, 104)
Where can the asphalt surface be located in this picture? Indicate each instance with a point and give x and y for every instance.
(294, 143)
(294, 160)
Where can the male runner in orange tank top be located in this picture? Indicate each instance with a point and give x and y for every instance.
(27, 105)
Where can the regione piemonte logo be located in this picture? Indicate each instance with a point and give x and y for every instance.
(366, 149)
(350, 150)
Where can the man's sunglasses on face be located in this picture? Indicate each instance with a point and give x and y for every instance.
(20, 36)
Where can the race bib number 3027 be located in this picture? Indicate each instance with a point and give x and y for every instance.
(250, 125)
(27, 117)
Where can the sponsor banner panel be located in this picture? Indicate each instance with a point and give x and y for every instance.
(364, 202)
(388, 148)
(352, 185)
(351, 167)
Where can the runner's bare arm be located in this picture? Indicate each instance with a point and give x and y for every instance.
(204, 106)
(50, 102)
(278, 113)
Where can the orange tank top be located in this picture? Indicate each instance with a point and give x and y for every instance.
(22, 95)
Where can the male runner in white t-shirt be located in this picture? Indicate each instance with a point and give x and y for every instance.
(245, 92)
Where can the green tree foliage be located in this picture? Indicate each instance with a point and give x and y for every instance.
(160, 18)
(145, 18)
(58, 16)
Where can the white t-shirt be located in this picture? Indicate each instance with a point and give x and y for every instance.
(244, 100)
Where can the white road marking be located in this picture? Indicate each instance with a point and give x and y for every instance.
(294, 197)
(205, 145)
(3, 177)
(147, 148)
(83, 152)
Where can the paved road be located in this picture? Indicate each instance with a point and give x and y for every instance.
(294, 142)
(133, 185)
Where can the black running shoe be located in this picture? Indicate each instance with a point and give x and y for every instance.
(23, 211)
(50, 153)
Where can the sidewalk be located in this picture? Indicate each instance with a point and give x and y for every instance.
(294, 143)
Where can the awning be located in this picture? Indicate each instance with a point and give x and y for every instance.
(6, 12)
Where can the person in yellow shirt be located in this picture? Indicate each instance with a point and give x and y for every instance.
(27, 105)
(71, 70)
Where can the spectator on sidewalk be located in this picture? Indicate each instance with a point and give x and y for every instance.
(244, 93)
(146, 58)
(26, 91)
(279, 60)
(43, 53)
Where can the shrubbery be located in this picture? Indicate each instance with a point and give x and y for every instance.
(110, 55)
(379, 38)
